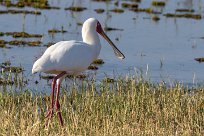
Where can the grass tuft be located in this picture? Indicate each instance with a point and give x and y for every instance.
(128, 106)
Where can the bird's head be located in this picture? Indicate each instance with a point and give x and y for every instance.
(93, 23)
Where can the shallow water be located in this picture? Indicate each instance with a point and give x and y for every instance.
(163, 50)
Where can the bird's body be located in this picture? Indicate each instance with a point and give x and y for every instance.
(71, 58)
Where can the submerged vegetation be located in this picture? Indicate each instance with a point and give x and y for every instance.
(158, 3)
(199, 59)
(192, 16)
(117, 10)
(11, 75)
(20, 12)
(21, 34)
(127, 106)
(41, 4)
(52, 31)
(76, 9)
(98, 61)
(99, 11)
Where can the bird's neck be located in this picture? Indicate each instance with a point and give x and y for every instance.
(92, 39)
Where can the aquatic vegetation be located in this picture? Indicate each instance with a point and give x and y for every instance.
(136, 1)
(91, 67)
(3, 46)
(199, 59)
(117, 10)
(20, 12)
(12, 69)
(33, 43)
(3, 42)
(191, 16)
(41, 4)
(155, 18)
(99, 11)
(5, 82)
(23, 34)
(158, 3)
(6, 63)
(47, 77)
(76, 9)
(16, 42)
(129, 5)
(146, 10)
(102, 0)
(49, 44)
(52, 31)
(108, 80)
(9, 75)
(112, 29)
(98, 62)
(1, 34)
(185, 10)
(21, 42)
(81, 76)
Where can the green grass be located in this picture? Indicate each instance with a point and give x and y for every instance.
(128, 106)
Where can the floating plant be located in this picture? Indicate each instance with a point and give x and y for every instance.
(41, 4)
(185, 10)
(29, 43)
(146, 10)
(155, 18)
(102, 0)
(6, 82)
(129, 5)
(76, 9)
(49, 44)
(112, 29)
(12, 69)
(23, 34)
(91, 67)
(3, 42)
(191, 16)
(199, 59)
(56, 31)
(117, 10)
(99, 11)
(1, 34)
(47, 77)
(158, 3)
(20, 12)
(98, 61)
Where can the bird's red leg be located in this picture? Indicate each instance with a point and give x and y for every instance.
(58, 105)
(51, 112)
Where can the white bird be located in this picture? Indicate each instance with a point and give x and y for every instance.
(71, 58)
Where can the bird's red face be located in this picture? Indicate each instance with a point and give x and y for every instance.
(99, 28)
(117, 52)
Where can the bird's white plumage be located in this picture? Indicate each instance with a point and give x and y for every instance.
(72, 57)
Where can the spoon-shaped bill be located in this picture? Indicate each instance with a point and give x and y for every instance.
(117, 52)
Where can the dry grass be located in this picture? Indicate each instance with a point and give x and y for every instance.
(129, 106)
